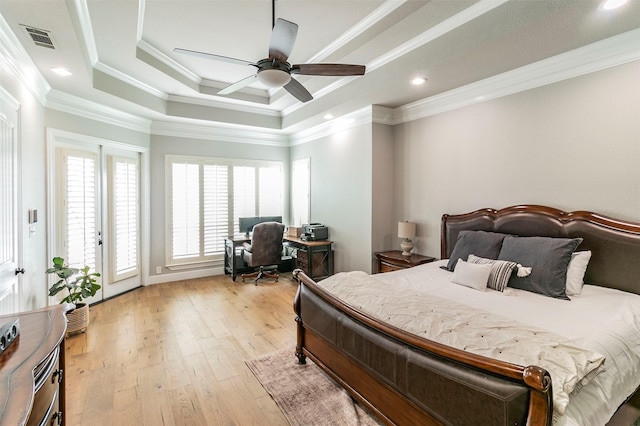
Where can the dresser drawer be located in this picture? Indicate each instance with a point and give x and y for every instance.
(388, 267)
(45, 401)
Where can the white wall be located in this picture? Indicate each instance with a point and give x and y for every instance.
(341, 186)
(574, 145)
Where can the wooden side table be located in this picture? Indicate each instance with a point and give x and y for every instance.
(387, 261)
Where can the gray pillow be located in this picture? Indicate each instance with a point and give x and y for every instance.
(548, 258)
(481, 243)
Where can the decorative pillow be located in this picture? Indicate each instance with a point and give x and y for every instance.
(549, 259)
(575, 272)
(471, 275)
(481, 243)
(501, 271)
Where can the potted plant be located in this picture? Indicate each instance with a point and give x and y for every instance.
(78, 283)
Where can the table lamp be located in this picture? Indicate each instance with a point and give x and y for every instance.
(406, 230)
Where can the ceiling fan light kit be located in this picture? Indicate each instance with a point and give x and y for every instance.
(275, 71)
(272, 73)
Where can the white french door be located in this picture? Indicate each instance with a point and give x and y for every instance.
(9, 225)
(78, 230)
(122, 239)
(97, 213)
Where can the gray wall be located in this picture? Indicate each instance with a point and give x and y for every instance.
(574, 145)
(341, 186)
(31, 143)
(384, 234)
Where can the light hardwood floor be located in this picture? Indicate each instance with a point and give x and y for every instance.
(173, 354)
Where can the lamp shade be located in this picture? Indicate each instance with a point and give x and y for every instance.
(406, 229)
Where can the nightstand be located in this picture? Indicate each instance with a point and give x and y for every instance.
(387, 261)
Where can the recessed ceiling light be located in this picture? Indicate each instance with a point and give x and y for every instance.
(611, 4)
(328, 116)
(418, 81)
(62, 71)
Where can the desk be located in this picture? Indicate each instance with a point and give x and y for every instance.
(233, 263)
(315, 258)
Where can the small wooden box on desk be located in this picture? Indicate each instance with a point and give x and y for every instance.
(387, 261)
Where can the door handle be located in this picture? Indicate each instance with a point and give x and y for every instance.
(19, 271)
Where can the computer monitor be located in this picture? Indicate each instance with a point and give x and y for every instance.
(246, 224)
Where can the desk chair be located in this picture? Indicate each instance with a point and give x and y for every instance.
(265, 250)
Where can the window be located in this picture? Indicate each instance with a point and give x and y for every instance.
(207, 196)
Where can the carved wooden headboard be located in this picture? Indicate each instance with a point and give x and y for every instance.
(615, 244)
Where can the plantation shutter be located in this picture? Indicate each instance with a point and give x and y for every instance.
(270, 191)
(81, 210)
(185, 210)
(215, 207)
(244, 194)
(124, 215)
(207, 196)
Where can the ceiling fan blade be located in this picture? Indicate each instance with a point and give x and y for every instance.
(238, 85)
(283, 37)
(328, 69)
(296, 89)
(212, 56)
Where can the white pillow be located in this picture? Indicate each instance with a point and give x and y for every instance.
(471, 274)
(576, 270)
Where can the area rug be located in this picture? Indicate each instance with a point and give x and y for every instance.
(305, 394)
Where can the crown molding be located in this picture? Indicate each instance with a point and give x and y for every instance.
(64, 102)
(84, 21)
(220, 133)
(444, 27)
(251, 109)
(604, 54)
(354, 119)
(382, 115)
(157, 54)
(466, 15)
(373, 18)
(15, 59)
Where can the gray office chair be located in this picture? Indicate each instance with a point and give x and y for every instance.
(265, 250)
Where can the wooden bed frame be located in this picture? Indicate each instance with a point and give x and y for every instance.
(408, 380)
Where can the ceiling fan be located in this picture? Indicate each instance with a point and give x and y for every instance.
(275, 71)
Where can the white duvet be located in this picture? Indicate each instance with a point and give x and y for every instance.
(602, 321)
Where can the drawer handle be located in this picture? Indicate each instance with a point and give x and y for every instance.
(60, 374)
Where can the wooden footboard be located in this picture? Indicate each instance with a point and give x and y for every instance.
(408, 380)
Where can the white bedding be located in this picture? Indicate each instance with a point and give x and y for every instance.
(603, 320)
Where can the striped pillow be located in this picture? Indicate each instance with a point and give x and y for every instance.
(501, 271)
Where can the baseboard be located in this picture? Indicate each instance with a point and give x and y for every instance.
(184, 275)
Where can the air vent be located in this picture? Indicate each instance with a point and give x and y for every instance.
(40, 37)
